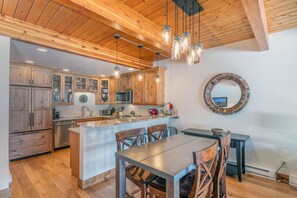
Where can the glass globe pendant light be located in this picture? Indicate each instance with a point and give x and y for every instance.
(140, 76)
(191, 54)
(166, 31)
(186, 36)
(176, 43)
(116, 70)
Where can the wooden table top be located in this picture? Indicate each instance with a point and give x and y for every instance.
(170, 158)
(209, 134)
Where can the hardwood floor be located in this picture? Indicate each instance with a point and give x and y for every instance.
(49, 175)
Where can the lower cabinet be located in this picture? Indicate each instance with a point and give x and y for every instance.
(29, 143)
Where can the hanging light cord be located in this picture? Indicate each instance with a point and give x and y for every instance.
(193, 17)
(167, 12)
(117, 51)
(176, 22)
(184, 16)
(199, 24)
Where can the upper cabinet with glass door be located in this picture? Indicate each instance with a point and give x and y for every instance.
(63, 89)
(86, 84)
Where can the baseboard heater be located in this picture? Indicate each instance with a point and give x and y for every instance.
(261, 172)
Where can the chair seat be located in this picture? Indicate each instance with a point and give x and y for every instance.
(186, 184)
(139, 175)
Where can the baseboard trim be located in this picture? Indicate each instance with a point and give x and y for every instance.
(261, 172)
(5, 193)
(84, 184)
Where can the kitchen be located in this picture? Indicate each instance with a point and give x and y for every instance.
(117, 98)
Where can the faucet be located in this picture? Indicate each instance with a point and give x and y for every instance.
(132, 113)
(83, 110)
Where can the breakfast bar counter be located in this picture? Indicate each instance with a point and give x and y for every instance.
(95, 146)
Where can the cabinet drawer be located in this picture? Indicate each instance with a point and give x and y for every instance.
(29, 143)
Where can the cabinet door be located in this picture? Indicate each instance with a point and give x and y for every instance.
(68, 89)
(57, 88)
(138, 94)
(150, 89)
(41, 108)
(19, 109)
(126, 82)
(113, 87)
(80, 83)
(41, 77)
(93, 84)
(104, 91)
(20, 75)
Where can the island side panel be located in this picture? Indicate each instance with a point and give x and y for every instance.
(98, 146)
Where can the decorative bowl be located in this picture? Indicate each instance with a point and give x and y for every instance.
(217, 131)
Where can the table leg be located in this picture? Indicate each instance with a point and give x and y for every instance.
(172, 189)
(120, 178)
(239, 160)
(243, 158)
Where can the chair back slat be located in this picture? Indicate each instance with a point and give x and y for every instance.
(220, 190)
(206, 162)
(126, 138)
(157, 132)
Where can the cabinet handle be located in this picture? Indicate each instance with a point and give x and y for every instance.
(32, 119)
(30, 122)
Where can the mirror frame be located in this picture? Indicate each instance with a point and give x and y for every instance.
(245, 93)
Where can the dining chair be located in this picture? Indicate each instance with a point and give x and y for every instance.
(140, 177)
(157, 132)
(219, 184)
(196, 184)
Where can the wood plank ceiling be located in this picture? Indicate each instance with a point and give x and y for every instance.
(222, 21)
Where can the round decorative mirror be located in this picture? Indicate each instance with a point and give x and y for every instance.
(226, 93)
(83, 98)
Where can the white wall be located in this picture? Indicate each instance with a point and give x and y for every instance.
(270, 117)
(75, 110)
(4, 92)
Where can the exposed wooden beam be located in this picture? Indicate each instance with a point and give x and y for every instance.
(256, 15)
(120, 17)
(20, 30)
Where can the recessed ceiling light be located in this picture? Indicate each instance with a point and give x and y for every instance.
(29, 61)
(65, 70)
(40, 49)
(131, 69)
(102, 75)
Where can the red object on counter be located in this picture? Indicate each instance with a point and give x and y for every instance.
(153, 111)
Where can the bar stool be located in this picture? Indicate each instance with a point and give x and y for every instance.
(140, 177)
(157, 132)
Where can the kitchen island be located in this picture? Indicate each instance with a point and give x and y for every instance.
(93, 146)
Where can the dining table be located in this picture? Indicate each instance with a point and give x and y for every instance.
(170, 158)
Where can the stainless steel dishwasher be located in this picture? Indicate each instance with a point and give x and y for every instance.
(61, 135)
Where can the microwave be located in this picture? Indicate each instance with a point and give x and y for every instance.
(124, 97)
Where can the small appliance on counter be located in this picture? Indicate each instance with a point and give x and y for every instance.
(153, 111)
(106, 112)
(56, 114)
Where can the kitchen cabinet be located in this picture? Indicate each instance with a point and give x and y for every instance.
(29, 143)
(149, 91)
(86, 84)
(19, 109)
(41, 109)
(30, 121)
(29, 109)
(113, 87)
(30, 76)
(138, 91)
(125, 82)
(104, 93)
(63, 89)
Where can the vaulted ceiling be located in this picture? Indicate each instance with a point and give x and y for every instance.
(87, 27)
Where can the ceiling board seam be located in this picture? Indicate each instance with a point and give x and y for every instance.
(16, 8)
(42, 12)
(29, 10)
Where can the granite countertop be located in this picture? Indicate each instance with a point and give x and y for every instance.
(119, 121)
(80, 117)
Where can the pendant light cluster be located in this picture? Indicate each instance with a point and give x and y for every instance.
(184, 44)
